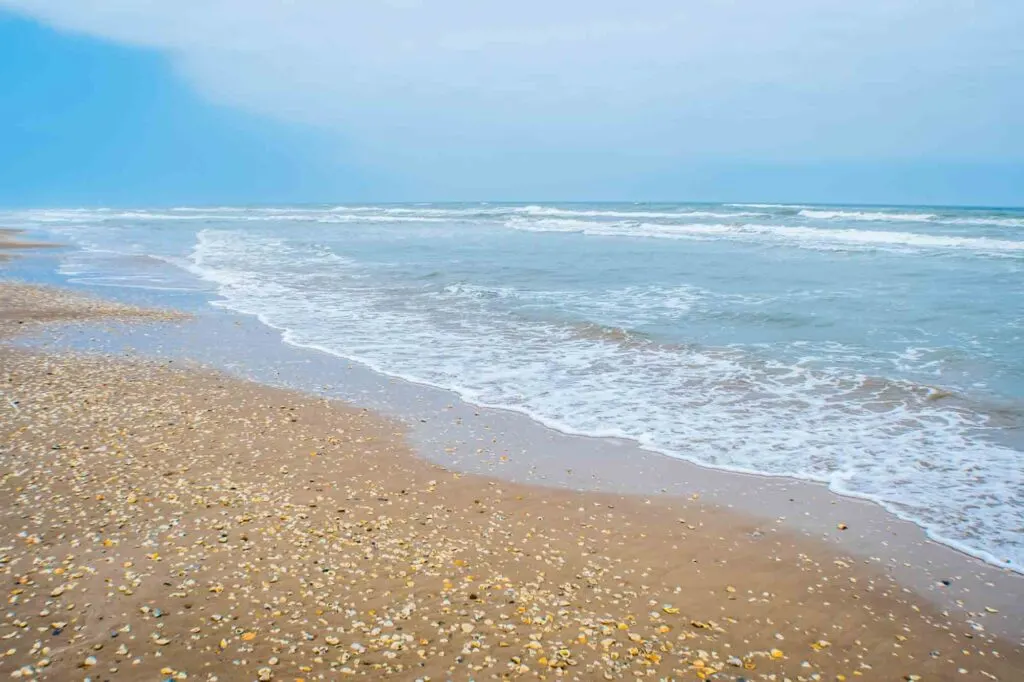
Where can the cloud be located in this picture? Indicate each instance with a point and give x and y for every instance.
(457, 81)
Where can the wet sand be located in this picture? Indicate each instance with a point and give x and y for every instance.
(161, 522)
(10, 242)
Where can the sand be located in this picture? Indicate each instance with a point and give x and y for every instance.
(30, 305)
(168, 523)
(9, 241)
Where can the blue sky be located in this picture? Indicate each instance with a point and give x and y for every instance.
(84, 122)
(107, 102)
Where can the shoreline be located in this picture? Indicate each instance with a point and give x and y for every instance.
(562, 431)
(11, 242)
(512, 447)
(750, 615)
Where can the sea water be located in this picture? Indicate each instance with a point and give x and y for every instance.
(878, 350)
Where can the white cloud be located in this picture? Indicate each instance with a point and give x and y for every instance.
(743, 79)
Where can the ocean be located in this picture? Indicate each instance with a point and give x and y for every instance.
(878, 350)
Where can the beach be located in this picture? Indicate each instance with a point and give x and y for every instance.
(166, 521)
(453, 342)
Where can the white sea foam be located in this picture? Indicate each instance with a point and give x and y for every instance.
(682, 214)
(767, 205)
(620, 308)
(996, 222)
(397, 214)
(793, 235)
(872, 216)
(722, 407)
(438, 212)
(900, 217)
(262, 215)
(560, 225)
(366, 218)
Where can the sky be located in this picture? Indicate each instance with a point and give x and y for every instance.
(143, 102)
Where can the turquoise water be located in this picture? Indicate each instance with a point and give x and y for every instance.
(878, 350)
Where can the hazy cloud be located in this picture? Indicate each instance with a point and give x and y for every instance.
(413, 80)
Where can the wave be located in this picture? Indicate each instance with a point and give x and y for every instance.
(621, 336)
(230, 215)
(561, 225)
(889, 216)
(489, 213)
(810, 237)
(997, 222)
(617, 308)
(381, 219)
(542, 211)
(786, 206)
(874, 216)
(367, 213)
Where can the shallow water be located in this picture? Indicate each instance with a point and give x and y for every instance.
(877, 350)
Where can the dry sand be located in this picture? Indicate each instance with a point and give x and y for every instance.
(163, 523)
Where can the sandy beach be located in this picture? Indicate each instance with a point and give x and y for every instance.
(171, 523)
(545, 341)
